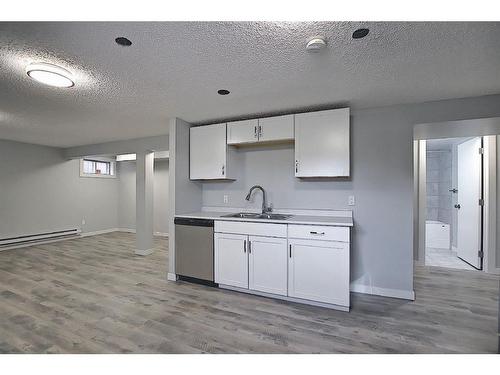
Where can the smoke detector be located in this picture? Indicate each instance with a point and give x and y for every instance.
(316, 44)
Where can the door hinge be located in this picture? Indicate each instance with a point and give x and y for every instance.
(480, 253)
(481, 150)
(481, 202)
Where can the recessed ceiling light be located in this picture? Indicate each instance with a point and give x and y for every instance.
(122, 41)
(223, 92)
(360, 33)
(316, 44)
(50, 74)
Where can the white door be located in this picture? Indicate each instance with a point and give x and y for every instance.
(207, 152)
(231, 259)
(322, 144)
(267, 264)
(279, 128)
(246, 131)
(319, 271)
(469, 209)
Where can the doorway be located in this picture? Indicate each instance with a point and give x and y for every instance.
(454, 197)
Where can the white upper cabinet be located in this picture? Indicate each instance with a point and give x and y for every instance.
(240, 132)
(322, 144)
(279, 128)
(208, 152)
(270, 129)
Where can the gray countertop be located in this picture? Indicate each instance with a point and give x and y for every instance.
(295, 219)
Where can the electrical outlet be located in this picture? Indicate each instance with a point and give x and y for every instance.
(226, 199)
(83, 221)
(351, 201)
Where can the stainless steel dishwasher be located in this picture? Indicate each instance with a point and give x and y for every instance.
(194, 249)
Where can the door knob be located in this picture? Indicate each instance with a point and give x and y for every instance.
(457, 206)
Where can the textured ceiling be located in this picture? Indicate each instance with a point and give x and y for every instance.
(175, 69)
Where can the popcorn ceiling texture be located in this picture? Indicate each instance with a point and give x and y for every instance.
(174, 69)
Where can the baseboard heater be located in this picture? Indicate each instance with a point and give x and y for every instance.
(31, 239)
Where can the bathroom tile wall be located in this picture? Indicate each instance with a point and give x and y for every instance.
(438, 186)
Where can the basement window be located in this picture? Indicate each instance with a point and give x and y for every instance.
(97, 168)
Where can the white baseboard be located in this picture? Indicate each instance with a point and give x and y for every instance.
(130, 230)
(171, 276)
(494, 271)
(144, 252)
(385, 292)
(98, 232)
(126, 230)
(160, 234)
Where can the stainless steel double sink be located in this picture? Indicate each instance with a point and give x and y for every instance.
(251, 215)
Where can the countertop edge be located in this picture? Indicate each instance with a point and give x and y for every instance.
(345, 222)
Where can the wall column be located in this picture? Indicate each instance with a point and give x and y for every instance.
(144, 202)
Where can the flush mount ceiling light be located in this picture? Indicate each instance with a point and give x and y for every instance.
(50, 74)
(223, 92)
(316, 44)
(360, 33)
(122, 41)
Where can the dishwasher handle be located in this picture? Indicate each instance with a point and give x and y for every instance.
(195, 222)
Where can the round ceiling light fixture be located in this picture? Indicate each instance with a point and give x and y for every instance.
(50, 74)
(316, 44)
(360, 33)
(122, 41)
(223, 92)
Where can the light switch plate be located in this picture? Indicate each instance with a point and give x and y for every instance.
(351, 201)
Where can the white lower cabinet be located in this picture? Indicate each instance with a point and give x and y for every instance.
(319, 271)
(267, 265)
(231, 259)
(245, 261)
(270, 259)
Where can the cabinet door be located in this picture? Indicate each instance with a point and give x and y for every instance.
(279, 128)
(231, 259)
(319, 271)
(322, 144)
(207, 152)
(246, 131)
(267, 264)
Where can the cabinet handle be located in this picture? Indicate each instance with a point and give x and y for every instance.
(245, 246)
(296, 166)
(260, 131)
(317, 233)
(249, 247)
(255, 131)
(223, 170)
(290, 250)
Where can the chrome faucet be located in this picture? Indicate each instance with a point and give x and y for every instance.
(264, 206)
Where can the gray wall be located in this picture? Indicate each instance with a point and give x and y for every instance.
(40, 190)
(126, 195)
(381, 180)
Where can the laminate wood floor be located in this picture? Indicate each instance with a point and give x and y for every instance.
(93, 295)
